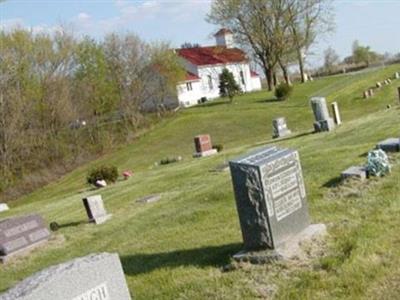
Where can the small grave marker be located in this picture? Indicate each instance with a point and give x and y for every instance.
(323, 122)
(336, 113)
(95, 209)
(366, 95)
(203, 146)
(357, 172)
(280, 128)
(94, 277)
(20, 234)
(371, 92)
(149, 199)
(389, 145)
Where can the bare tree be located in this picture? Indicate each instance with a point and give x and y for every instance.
(308, 20)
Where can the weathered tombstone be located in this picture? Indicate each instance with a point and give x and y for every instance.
(389, 145)
(323, 122)
(280, 128)
(93, 277)
(356, 172)
(4, 207)
(21, 234)
(203, 146)
(389, 80)
(378, 85)
(336, 113)
(397, 75)
(95, 209)
(366, 95)
(271, 199)
(149, 198)
(371, 92)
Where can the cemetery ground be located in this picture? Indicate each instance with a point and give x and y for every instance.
(179, 246)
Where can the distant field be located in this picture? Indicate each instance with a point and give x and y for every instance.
(176, 248)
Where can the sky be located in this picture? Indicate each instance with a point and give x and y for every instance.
(375, 23)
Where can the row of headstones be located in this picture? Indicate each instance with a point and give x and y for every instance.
(323, 121)
(370, 92)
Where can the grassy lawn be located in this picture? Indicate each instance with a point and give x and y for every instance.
(176, 248)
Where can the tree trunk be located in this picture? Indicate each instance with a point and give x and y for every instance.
(285, 73)
(275, 79)
(301, 65)
(268, 75)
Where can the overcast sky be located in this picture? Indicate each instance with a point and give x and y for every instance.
(374, 23)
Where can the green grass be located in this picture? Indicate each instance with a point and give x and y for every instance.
(176, 248)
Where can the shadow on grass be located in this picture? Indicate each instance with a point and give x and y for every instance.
(268, 100)
(216, 256)
(212, 104)
(334, 182)
(273, 141)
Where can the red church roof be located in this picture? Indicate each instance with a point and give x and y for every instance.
(202, 56)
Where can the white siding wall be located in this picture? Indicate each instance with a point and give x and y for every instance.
(189, 97)
(202, 88)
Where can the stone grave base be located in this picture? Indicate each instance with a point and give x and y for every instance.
(291, 249)
(282, 134)
(205, 153)
(149, 199)
(24, 251)
(324, 125)
(389, 145)
(356, 172)
(100, 220)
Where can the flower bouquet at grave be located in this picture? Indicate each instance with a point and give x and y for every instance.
(378, 163)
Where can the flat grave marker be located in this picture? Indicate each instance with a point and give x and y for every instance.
(356, 172)
(389, 145)
(149, 198)
(94, 277)
(21, 234)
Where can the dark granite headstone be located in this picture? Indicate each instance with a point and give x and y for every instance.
(203, 146)
(280, 128)
(270, 197)
(94, 277)
(95, 209)
(21, 233)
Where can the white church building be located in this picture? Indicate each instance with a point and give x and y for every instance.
(204, 65)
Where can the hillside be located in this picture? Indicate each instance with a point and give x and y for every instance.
(176, 248)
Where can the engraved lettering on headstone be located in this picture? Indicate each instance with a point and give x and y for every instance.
(99, 292)
(15, 244)
(287, 204)
(38, 234)
(21, 228)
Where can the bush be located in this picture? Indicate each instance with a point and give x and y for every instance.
(169, 160)
(107, 173)
(218, 147)
(283, 91)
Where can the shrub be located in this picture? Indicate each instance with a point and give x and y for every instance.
(107, 173)
(283, 91)
(168, 160)
(218, 147)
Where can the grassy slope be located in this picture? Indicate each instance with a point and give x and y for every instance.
(175, 248)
